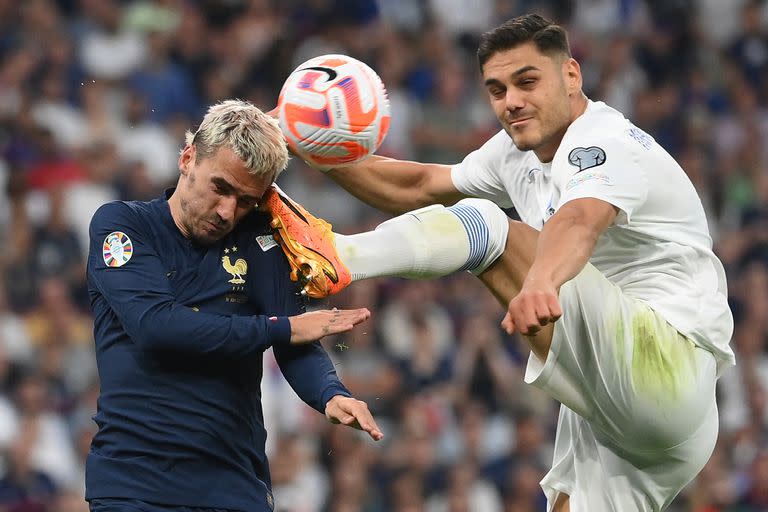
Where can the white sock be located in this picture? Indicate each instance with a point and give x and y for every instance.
(430, 242)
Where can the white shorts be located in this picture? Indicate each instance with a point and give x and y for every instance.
(638, 418)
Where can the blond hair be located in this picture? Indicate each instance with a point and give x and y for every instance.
(254, 137)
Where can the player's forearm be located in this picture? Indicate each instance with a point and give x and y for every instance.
(568, 239)
(170, 327)
(310, 373)
(564, 248)
(394, 186)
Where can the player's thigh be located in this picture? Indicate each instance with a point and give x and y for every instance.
(600, 476)
(617, 363)
(562, 503)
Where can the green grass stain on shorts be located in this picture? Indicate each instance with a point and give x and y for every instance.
(663, 362)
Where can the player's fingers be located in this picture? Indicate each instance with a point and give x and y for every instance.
(548, 315)
(507, 324)
(554, 307)
(540, 305)
(347, 419)
(346, 316)
(374, 432)
(359, 315)
(337, 329)
(338, 321)
(532, 327)
(543, 312)
(527, 319)
(366, 422)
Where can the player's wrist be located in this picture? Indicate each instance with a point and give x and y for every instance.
(279, 330)
(539, 281)
(335, 394)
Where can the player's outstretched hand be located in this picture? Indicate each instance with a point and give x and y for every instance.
(312, 326)
(535, 306)
(352, 413)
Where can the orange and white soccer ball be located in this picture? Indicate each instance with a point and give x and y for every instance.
(334, 111)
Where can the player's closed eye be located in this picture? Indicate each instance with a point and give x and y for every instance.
(247, 204)
(497, 93)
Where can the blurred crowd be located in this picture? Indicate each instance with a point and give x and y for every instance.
(95, 96)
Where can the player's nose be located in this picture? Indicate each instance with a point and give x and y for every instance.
(514, 99)
(226, 209)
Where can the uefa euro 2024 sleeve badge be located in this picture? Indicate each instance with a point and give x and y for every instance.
(117, 249)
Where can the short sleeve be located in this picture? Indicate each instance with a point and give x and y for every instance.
(480, 173)
(603, 168)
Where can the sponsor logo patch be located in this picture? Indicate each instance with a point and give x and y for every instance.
(117, 249)
(266, 242)
(641, 137)
(581, 177)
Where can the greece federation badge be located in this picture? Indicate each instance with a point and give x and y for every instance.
(117, 249)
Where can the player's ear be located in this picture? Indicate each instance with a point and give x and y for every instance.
(572, 75)
(186, 157)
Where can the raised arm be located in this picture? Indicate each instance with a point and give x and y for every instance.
(139, 295)
(564, 248)
(397, 186)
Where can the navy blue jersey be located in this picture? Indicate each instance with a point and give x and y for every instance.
(180, 331)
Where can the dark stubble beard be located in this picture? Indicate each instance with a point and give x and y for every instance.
(187, 211)
(527, 147)
(546, 140)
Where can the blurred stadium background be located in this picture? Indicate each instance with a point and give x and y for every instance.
(95, 96)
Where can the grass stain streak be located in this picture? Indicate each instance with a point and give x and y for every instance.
(663, 362)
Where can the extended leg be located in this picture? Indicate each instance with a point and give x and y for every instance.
(430, 242)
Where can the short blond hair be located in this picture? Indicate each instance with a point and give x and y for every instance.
(254, 137)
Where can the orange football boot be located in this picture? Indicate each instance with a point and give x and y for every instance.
(308, 244)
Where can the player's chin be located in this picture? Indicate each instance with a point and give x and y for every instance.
(523, 141)
(204, 237)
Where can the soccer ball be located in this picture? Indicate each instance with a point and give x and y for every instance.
(333, 110)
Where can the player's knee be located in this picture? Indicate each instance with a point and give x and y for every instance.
(469, 235)
(487, 228)
(436, 238)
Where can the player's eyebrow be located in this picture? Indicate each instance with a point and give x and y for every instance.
(525, 69)
(515, 74)
(229, 188)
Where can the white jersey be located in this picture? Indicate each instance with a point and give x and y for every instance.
(658, 250)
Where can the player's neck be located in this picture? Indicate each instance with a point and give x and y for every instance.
(546, 152)
(579, 104)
